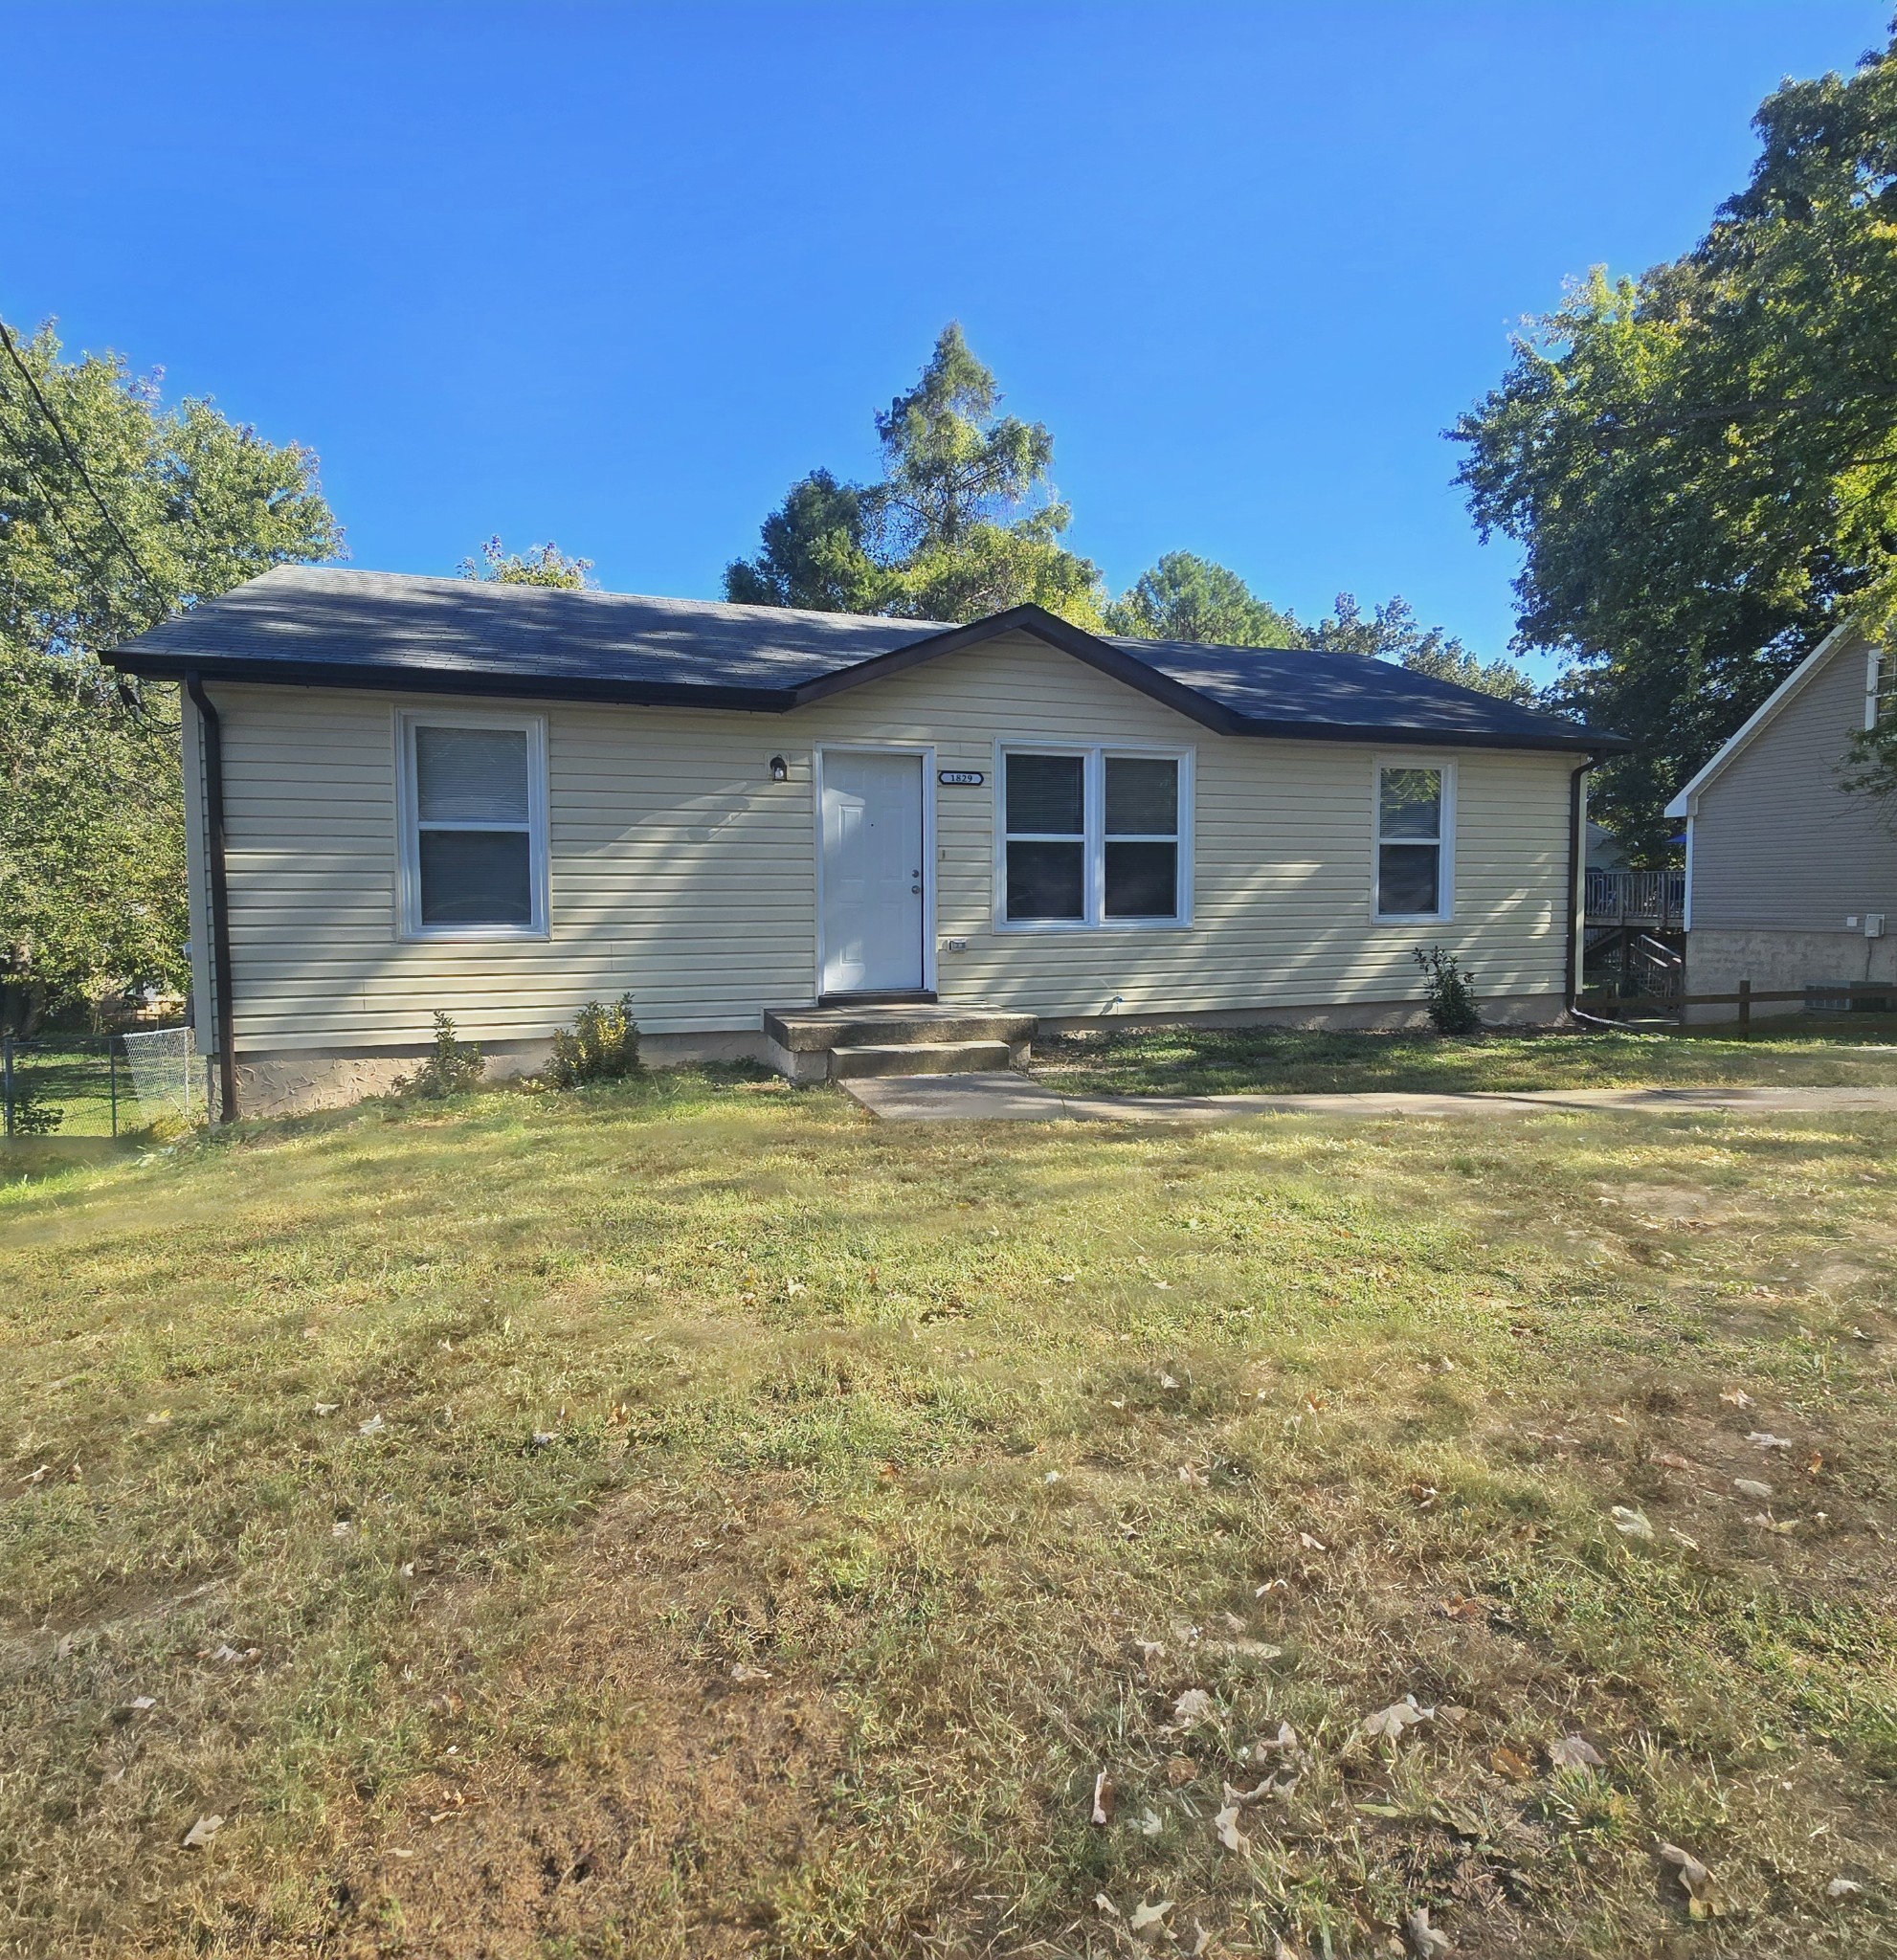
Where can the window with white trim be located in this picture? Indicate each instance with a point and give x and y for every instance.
(474, 843)
(1414, 824)
(1095, 837)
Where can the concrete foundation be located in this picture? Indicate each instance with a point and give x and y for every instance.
(290, 1081)
(1718, 960)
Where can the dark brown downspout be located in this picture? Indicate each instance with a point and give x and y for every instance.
(220, 896)
(1575, 844)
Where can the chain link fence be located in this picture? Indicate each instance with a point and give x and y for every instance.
(100, 1085)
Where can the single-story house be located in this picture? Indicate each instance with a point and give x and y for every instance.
(1792, 879)
(811, 837)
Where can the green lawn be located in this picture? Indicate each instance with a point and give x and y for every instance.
(693, 1519)
(1224, 1061)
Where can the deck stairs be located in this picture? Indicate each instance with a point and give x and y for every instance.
(835, 1043)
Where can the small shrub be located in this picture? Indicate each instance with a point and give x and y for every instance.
(602, 1046)
(33, 1115)
(454, 1065)
(1449, 992)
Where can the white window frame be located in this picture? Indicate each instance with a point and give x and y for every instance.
(408, 851)
(1445, 840)
(1094, 756)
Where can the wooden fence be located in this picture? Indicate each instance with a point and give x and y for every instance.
(1747, 996)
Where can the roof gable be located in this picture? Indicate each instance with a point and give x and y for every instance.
(324, 626)
(1767, 711)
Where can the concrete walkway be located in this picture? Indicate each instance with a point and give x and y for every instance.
(1020, 1098)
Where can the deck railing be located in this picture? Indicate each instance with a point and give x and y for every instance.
(1637, 897)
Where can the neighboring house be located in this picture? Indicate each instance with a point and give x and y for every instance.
(504, 801)
(1790, 879)
(1603, 851)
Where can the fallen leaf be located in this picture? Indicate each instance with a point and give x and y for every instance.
(1204, 1939)
(1815, 1464)
(1147, 1823)
(1738, 1398)
(1575, 1753)
(1051, 1476)
(1226, 1824)
(1843, 1888)
(1390, 1722)
(1695, 1881)
(1751, 1486)
(325, 1407)
(745, 1675)
(374, 1426)
(1191, 1472)
(1145, 1916)
(1781, 1527)
(1285, 1739)
(1194, 1705)
(1249, 1650)
(141, 1703)
(1102, 1800)
(1764, 1440)
(1166, 1381)
(1428, 1940)
(1509, 1763)
(1630, 1524)
(1461, 1606)
(203, 1832)
(1181, 1770)
(38, 1475)
(1106, 1904)
(1311, 1544)
(1270, 1587)
(1671, 1459)
(339, 1529)
(1150, 1652)
(1280, 1951)
(1680, 1538)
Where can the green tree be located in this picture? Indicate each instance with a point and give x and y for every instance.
(115, 510)
(1391, 632)
(1701, 464)
(963, 523)
(540, 565)
(1190, 598)
(815, 553)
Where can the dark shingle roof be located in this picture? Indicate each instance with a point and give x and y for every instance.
(319, 626)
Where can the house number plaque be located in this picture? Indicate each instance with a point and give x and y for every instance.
(973, 777)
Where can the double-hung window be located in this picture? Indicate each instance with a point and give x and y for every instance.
(1415, 819)
(1092, 836)
(474, 826)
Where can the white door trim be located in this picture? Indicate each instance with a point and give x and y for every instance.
(926, 753)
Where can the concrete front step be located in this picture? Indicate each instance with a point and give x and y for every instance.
(901, 1038)
(848, 1060)
(814, 1030)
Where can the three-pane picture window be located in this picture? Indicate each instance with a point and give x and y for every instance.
(1094, 838)
(1415, 869)
(474, 849)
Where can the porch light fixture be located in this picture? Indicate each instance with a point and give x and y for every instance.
(780, 769)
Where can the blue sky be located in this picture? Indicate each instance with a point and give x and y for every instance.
(616, 274)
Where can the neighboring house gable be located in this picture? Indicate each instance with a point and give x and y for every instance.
(1775, 842)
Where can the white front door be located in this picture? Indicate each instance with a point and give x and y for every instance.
(873, 865)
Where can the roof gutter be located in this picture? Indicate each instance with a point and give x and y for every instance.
(219, 895)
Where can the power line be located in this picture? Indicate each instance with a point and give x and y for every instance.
(72, 456)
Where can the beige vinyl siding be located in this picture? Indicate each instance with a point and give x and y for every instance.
(680, 872)
(1777, 843)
